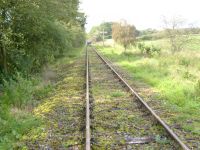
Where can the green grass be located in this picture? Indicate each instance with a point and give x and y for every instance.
(175, 76)
(117, 94)
(192, 45)
(19, 97)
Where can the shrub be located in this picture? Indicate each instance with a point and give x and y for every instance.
(146, 37)
(197, 89)
(148, 50)
(187, 75)
(18, 91)
(155, 49)
(141, 47)
(42, 91)
(184, 62)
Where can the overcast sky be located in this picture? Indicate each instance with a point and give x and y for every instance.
(142, 13)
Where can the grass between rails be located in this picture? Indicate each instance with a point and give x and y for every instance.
(115, 115)
(20, 97)
(175, 77)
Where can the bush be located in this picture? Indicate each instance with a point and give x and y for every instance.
(141, 47)
(15, 121)
(17, 92)
(148, 50)
(42, 91)
(197, 89)
(14, 125)
(184, 62)
(155, 49)
(146, 37)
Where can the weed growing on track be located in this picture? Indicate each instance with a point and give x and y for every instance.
(175, 77)
(116, 118)
(117, 94)
(18, 100)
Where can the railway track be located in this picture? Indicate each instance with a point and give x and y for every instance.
(116, 116)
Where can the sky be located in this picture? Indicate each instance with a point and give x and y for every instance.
(141, 13)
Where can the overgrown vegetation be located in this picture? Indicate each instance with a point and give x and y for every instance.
(148, 50)
(36, 32)
(33, 34)
(20, 97)
(176, 77)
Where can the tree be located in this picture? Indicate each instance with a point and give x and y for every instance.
(124, 33)
(107, 27)
(35, 32)
(96, 31)
(175, 32)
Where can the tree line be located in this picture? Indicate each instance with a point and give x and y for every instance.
(96, 33)
(121, 32)
(175, 30)
(36, 32)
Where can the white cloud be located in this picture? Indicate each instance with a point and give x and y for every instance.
(141, 13)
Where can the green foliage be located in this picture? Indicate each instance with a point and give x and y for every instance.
(17, 92)
(197, 89)
(175, 78)
(19, 96)
(33, 33)
(117, 94)
(20, 91)
(107, 27)
(161, 140)
(184, 62)
(96, 33)
(36, 32)
(148, 50)
(14, 126)
(146, 37)
(141, 47)
(41, 92)
(15, 120)
(148, 32)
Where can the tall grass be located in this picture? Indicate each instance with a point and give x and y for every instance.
(176, 77)
(18, 98)
(16, 102)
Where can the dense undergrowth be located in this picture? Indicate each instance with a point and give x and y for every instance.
(36, 32)
(20, 97)
(33, 34)
(174, 76)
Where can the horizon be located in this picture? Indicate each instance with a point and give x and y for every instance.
(154, 10)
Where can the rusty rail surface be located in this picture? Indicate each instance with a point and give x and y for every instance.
(134, 93)
(88, 134)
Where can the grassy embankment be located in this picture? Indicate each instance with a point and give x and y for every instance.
(175, 76)
(21, 96)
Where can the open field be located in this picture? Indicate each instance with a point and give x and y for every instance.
(192, 45)
(174, 77)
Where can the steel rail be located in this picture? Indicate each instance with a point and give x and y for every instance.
(87, 134)
(134, 93)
